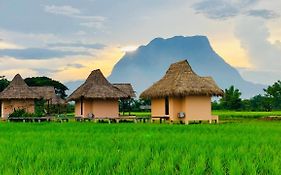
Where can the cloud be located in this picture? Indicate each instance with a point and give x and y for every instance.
(75, 65)
(37, 53)
(96, 22)
(62, 10)
(222, 9)
(78, 44)
(264, 55)
(263, 13)
(45, 71)
(93, 24)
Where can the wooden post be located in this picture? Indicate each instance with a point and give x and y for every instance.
(129, 106)
(48, 107)
(81, 104)
(123, 108)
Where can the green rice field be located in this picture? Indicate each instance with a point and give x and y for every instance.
(245, 147)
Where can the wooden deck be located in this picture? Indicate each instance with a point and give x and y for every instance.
(160, 118)
(29, 119)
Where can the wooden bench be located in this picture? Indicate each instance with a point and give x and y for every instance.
(126, 118)
(116, 119)
(164, 118)
(143, 119)
(29, 119)
(215, 118)
(83, 119)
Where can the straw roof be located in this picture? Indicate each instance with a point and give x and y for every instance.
(18, 89)
(126, 88)
(56, 100)
(180, 80)
(97, 87)
(46, 92)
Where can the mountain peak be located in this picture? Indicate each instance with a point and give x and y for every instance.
(149, 62)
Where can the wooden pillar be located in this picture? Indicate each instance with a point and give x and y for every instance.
(81, 105)
(48, 107)
(123, 108)
(130, 106)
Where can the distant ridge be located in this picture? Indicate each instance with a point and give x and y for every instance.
(148, 64)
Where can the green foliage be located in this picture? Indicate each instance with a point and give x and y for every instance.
(244, 114)
(88, 148)
(3, 83)
(137, 103)
(45, 81)
(273, 93)
(23, 113)
(19, 113)
(231, 99)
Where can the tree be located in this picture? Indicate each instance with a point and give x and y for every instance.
(273, 93)
(231, 99)
(45, 81)
(260, 103)
(3, 83)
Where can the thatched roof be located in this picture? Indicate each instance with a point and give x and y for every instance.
(180, 80)
(97, 87)
(126, 88)
(48, 93)
(45, 92)
(57, 100)
(18, 89)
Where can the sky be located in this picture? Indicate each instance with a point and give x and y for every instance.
(66, 39)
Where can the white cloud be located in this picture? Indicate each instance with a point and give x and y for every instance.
(62, 10)
(96, 22)
(264, 55)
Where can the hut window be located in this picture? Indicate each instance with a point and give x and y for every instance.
(166, 105)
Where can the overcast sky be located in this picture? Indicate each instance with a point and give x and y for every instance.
(66, 39)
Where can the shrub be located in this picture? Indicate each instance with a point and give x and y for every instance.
(19, 113)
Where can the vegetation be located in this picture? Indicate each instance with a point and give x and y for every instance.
(3, 83)
(270, 101)
(231, 99)
(88, 148)
(23, 113)
(45, 81)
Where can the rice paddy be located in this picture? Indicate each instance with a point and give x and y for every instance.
(250, 147)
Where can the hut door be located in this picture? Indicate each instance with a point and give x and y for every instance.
(166, 105)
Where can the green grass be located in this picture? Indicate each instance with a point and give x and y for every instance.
(87, 148)
(228, 114)
(245, 114)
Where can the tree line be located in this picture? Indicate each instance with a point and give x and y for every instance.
(270, 100)
(60, 88)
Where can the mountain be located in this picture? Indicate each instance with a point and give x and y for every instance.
(148, 64)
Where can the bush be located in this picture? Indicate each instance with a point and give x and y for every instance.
(23, 113)
(19, 113)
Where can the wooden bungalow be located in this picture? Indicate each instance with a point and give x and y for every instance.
(97, 96)
(17, 96)
(127, 88)
(48, 93)
(182, 95)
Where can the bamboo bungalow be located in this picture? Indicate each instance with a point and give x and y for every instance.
(182, 95)
(48, 93)
(127, 88)
(17, 96)
(97, 96)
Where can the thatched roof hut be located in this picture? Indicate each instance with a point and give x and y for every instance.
(180, 80)
(48, 93)
(57, 100)
(126, 88)
(96, 86)
(18, 89)
(45, 92)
